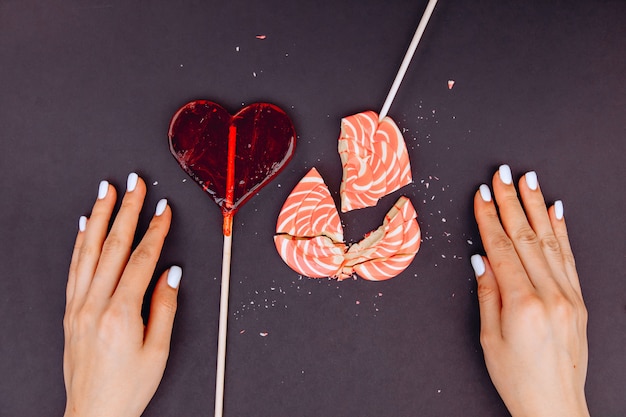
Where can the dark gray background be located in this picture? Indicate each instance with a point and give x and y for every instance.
(87, 89)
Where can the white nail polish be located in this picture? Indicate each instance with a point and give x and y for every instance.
(485, 193)
(558, 209)
(174, 275)
(160, 208)
(505, 174)
(82, 223)
(478, 264)
(131, 182)
(103, 189)
(531, 180)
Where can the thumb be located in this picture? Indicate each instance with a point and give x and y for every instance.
(162, 310)
(489, 300)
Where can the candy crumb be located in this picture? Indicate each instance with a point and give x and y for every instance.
(261, 37)
(450, 84)
(263, 334)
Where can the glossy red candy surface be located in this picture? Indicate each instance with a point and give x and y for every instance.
(231, 157)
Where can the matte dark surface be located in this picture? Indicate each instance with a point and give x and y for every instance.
(87, 89)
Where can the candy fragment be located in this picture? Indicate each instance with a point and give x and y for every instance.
(310, 211)
(388, 250)
(309, 237)
(374, 158)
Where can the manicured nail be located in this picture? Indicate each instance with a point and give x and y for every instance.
(160, 208)
(103, 189)
(131, 182)
(174, 275)
(82, 223)
(505, 174)
(485, 194)
(558, 209)
(531, 180)
(478, 264)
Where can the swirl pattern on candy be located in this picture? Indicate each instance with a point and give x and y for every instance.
(309, 237)
(374, 158)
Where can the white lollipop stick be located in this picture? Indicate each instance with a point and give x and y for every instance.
(407, 58)
(223, 327)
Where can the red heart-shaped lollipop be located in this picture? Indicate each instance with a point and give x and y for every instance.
(231, 157)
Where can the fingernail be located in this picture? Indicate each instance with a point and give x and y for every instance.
(558, 209)
(103, 189)
(485, 194)
(82, 223)
(531, 180)
(505, 174)
(131, 182)
(478, 264)
(160, 208)
(174, 275)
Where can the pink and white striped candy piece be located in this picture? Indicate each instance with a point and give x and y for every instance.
(310, 210)
(309, 237)
(389, 250)
(374, 158)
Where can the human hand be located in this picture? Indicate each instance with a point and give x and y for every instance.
(113, 363)
(533, 318)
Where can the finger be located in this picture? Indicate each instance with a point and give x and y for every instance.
(162, 310)
(95, 233)
(140, 267)
(489, 300)
(557, 220)
(537, 214)
(71, 278)
(519, 230)
(117, 246)
(507, 267)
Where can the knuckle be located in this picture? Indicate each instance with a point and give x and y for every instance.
(491, 216)
(142, 255)
(549, 243)
(116, 316)
(525, 235)
(67, 324)
(502, 243)
(485, 292)
(159, 352)
(168, 305)
(88, 251)
(130, 204)
(531, 308)
(114, 244)
(85, 319)
(568, 258)
(157, 229)
(487, 340)
(564, 311)
(584, 314)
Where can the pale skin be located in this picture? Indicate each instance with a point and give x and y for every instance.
(113, 363)
(533, 319)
